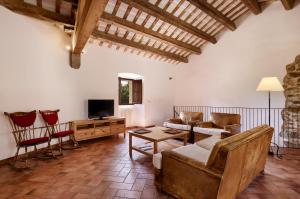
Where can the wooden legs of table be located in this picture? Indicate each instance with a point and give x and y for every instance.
(130, 146)
(185, 139)
(155, 147)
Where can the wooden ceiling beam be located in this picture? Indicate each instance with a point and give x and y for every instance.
(39, 3)
(57, 6)
(136, 45)
(19, 6)
(155, 11)
(88, 14)
(253, 5)
(109, 18)
(214, 13)
(288, 4)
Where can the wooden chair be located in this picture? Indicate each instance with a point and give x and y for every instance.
(25, 134)
(58, 130)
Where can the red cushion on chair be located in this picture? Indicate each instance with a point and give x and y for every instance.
(63, 133)
(50, 117)
(23, 119)
(34, 141)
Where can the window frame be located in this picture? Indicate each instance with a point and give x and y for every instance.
(119, 90)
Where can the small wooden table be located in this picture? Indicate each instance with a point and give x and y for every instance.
(156, 135)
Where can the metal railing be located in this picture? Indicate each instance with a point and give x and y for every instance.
(286, 122)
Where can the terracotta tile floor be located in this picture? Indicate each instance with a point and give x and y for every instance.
(102, 169)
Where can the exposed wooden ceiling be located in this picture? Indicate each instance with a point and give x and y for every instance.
(169, 30)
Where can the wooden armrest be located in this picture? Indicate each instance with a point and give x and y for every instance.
(175, 121)
(194, 122)
(206, 124)
(190, 162)
(226, 135)
(233, 128)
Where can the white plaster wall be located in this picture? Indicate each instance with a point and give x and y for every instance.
(227, 74)
(35, 74)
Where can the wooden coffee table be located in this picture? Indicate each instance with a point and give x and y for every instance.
(156, 135)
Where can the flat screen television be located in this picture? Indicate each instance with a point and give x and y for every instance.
(97, 109)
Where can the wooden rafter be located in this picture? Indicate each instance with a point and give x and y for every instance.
(109, 18)
(288, 4)
(39, 3)
(19, 6)
(139, 46)
(155, 11)
(57, 6)
(253, 5)
(214, 13)
(87, 17)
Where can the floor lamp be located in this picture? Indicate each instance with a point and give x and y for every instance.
(270, 84)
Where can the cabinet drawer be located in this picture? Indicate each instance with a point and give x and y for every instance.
(84, 134)
(119, 128)
(102, 131)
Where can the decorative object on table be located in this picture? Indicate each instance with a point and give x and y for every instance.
(142, 131)
(172, 131)
(146, 147)
(270, 84)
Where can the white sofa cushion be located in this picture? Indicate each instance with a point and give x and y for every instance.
(177, 126)
(209, 143)
(209, 131)
(195, 152)
(192, 151)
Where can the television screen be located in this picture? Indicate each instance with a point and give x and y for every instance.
(100, 108)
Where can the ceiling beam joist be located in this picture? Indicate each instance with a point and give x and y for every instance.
(214, 13)
(123, 23)
(19, 6)
(288, 4)
(57, 6)
(133, 44)
(88, 14)
(253, 5)
(155, 11)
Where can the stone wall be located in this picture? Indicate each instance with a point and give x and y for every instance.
(291, 115)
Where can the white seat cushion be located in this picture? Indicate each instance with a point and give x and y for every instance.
(192, 151)
(195, 152)
(209, 143)
(208, 131)
(177, 126)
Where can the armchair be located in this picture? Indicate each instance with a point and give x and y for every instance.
(58, 130)
(186, 121)
(26, 134)
(221, 172)
(220, 123)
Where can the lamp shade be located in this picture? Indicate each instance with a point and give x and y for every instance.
(269, 84)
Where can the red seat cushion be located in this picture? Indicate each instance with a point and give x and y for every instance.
(63, 133)
(34, 141)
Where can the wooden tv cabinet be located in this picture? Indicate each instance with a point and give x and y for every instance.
(89, 129)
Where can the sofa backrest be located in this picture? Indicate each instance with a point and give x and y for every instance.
(222, 119)
(192, 116)
(240, 158)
